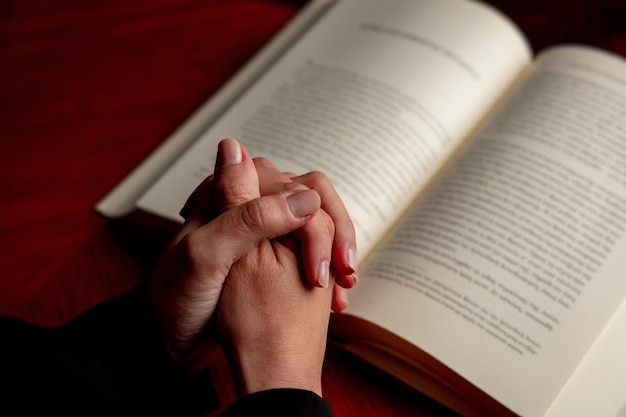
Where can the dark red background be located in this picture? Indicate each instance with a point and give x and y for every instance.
(89, 88)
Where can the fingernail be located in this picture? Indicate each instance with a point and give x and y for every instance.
(303, 203)
(343, 300)
(323, 275)
(346, 303)
(355, 279)
(352, 259)
(230, 152)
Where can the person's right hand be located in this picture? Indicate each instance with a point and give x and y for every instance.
(330, 228)
(272, 324)
(272, 321)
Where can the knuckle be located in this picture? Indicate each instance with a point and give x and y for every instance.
(316, 180)
(254, 216)
(261, 161)
(191, 248)
(318, 176)
(329, 222)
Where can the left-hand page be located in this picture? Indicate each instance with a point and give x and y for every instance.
(377, 94)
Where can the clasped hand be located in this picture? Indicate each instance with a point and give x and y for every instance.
(260, 261)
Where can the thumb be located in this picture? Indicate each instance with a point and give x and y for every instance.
(234, 233)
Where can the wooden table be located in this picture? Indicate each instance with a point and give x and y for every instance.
(88, 89)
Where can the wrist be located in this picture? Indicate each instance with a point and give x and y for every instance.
(255, 371)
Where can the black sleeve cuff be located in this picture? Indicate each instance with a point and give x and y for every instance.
(284, 402)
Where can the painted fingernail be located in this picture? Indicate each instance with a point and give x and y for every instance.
(346, 303)
(355, 279)
(343, 301)
(230, 152)
(323, 274)
(303, 203)
(352, 259)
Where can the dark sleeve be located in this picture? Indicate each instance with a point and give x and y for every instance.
(110, 360)
(279, 403)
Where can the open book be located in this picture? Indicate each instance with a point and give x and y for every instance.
(488, 190)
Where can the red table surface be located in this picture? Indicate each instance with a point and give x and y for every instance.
(89, 88)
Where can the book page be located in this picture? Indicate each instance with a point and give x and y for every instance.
(512, 263)
(597, 386)
(375, 95)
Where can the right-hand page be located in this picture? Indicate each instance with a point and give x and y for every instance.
(513, 262)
